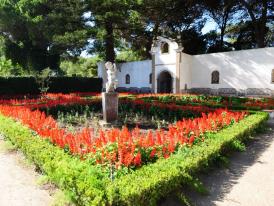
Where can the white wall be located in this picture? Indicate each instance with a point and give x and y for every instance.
(139, 72)
(238, 69)
(185, 71)
(166, 58)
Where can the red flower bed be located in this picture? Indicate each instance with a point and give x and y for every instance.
(53, 99)
(123, 147)
(266, 103)
(49, 100)
(256, 103)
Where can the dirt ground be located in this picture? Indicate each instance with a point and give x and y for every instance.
(18, 181)
(248, 180)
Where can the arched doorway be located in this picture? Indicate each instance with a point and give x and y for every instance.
(164, 82)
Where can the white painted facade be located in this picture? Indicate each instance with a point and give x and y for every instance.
(185, 71)
(138, 71)
(165, 61)
(238, 70)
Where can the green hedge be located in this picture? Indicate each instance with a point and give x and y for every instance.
(84, 182)
(89, 185)
(152, 182)
(28, 85)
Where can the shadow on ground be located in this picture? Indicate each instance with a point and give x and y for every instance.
(220, 181)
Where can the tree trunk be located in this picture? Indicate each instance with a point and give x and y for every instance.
(222, 39)
(109, 42)
(53, 61)
(260, 41)
(150, 38)
(225, 18)
(148, 48)
(258, 24)
(260, 33)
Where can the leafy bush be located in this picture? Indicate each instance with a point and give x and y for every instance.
(83, 67)
(43, 80)
(8, 69)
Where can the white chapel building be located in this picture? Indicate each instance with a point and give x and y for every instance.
(245, 72)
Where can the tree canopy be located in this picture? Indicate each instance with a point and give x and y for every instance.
(36, 34)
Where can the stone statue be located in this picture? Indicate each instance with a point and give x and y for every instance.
(112, 81)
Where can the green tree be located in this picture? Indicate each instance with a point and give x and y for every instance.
(8, 69)
(241, 35)
(223, 13)
(38, 32)
(82, 67)
(193, 41)
(110, 19)
(261, 13)
(177, 19)
(128, 55)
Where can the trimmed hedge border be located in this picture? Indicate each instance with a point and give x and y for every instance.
(154, 181)
(84, 182)
(28, 85)
(88, 185)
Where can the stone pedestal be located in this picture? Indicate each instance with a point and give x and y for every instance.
(110, 106)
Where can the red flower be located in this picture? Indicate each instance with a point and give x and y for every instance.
(191, 140)
(117, 146)
(152, 153)
(138, 159)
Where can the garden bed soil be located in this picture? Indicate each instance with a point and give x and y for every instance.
(131, 121)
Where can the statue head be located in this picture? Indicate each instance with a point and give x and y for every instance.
(109, 66)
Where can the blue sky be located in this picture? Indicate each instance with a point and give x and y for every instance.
(210, 25)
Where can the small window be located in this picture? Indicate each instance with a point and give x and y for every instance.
(272, 76)
(165, 48)
(127, 79)
(150, 78)
(215, 77)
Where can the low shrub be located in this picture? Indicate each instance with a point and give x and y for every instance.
(152, 182)
(89, 185)
(28, 85)
(84, 182)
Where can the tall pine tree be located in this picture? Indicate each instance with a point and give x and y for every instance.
(38, 32)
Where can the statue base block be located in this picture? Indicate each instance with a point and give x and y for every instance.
(110, 106)
(106, 125)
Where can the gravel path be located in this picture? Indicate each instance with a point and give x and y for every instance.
(248, 180)
(18, 185)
